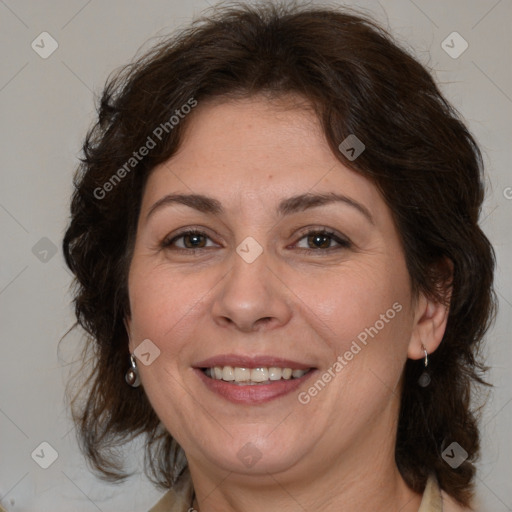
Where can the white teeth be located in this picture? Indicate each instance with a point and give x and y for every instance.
(228, 373)
(249, 376)
(242, 374)
(275, 373)
(259, 374)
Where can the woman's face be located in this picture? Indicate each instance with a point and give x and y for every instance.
(261, 289)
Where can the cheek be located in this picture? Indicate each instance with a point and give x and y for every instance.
(364, 312)
(161, 304)
(357, 301)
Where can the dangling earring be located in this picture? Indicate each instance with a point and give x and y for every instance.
(424, 379)
(132, 375)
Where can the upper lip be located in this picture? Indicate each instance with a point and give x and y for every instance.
(243, 361)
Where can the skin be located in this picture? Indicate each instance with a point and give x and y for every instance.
(337, 451)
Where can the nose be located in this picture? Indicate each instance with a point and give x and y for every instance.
(251, 297)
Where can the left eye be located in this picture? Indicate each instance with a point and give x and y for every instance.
(321, 239)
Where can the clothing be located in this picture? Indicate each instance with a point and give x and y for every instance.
(181, 496)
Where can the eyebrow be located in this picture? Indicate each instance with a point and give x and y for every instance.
(287, 206)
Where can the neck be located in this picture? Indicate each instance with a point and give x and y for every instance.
(360, 475)
(364, 478)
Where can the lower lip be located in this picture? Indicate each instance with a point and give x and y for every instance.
(255, 394)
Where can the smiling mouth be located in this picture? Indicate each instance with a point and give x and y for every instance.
(253, 376)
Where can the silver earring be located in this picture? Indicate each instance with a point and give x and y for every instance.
(132, 375)
(424, 379)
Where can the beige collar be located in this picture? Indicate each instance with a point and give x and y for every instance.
(180, 497)
(432, 500)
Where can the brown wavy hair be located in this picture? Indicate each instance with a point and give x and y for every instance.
(419, 154)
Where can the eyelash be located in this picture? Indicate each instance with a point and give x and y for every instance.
(343, 242)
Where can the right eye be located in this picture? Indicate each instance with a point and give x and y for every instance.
(192, 240)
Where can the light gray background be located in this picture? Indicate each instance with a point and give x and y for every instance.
(47, 106)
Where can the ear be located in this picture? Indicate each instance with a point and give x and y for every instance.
(430, 319)
(429, 327)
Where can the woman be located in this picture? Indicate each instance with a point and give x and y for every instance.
(275, 237)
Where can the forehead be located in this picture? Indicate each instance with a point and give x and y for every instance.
(260, 149)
